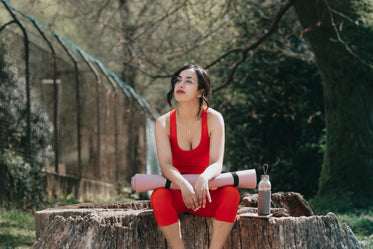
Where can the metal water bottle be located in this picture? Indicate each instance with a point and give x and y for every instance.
(264, 193)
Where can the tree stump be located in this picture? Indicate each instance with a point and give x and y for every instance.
(131, 224)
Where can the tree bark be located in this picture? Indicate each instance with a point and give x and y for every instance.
(132, 225)
(340, 34)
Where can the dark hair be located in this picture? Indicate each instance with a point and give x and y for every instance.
(203, 83)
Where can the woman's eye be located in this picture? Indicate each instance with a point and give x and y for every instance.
(186, 81)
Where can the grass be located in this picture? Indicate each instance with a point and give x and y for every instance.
(361, 223)
(359, 220)
(16, 229)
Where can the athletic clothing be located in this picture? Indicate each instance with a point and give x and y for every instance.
(192, 161)
(168, 204)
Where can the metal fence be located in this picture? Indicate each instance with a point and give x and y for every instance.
(97, 122)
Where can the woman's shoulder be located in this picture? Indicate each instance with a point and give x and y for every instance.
(213, 114)
(214, 119)
(163, 120)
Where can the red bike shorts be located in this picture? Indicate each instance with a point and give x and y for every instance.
(168, 204)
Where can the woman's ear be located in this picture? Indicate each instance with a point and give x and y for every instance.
(201, 92)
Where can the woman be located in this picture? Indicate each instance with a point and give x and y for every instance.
(190, 140)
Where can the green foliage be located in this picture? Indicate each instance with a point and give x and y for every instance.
(274, 108)
(325, 205)
(322, 142)
(16, 229)
(13, 116)
(65, 200)
(21, 161)
(25, 181)
(360, 222)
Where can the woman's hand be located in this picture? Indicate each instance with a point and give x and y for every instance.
(201, 189)
(189, 197)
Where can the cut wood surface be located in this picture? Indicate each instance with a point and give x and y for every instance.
(131, 224)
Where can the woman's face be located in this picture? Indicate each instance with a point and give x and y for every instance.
(186, 86)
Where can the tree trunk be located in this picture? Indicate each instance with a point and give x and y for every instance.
(6, 186)
(341, 36)
(132, 225)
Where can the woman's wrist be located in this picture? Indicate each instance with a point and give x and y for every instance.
(183, 183)
(211, 172)
(203, 177)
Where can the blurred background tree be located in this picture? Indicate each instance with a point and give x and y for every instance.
(340, 34)
(273, 107)
(142, 41)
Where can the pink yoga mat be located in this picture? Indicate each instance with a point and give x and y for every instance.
(241, 179)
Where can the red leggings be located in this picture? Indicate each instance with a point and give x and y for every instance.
(168, 204)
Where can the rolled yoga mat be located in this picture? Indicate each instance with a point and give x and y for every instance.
(240, 179)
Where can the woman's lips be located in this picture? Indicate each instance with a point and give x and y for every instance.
(180, 91)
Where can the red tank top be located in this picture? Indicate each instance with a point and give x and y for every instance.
(192, 161)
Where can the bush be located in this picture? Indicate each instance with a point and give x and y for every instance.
(24, 181)
(23, 149)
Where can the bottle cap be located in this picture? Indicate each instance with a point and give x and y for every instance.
(265, 177)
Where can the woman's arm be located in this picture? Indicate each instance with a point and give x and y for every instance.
(162, 138)
(217, 141)
(215, 123)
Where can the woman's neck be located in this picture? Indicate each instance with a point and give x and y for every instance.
(188, 112)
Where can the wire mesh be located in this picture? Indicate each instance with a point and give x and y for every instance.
(93, 123)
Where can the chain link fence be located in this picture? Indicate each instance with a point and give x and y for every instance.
(93, 125)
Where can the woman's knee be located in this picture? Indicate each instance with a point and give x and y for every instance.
(227, 206)
(231, 194)
(159, 196)
(163, 207)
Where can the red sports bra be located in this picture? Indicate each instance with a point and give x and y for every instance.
(192, 161)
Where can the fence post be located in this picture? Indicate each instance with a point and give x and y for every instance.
(55, 92)
(116, 141)
(94, 71)
(27, 79)
(77, 96)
